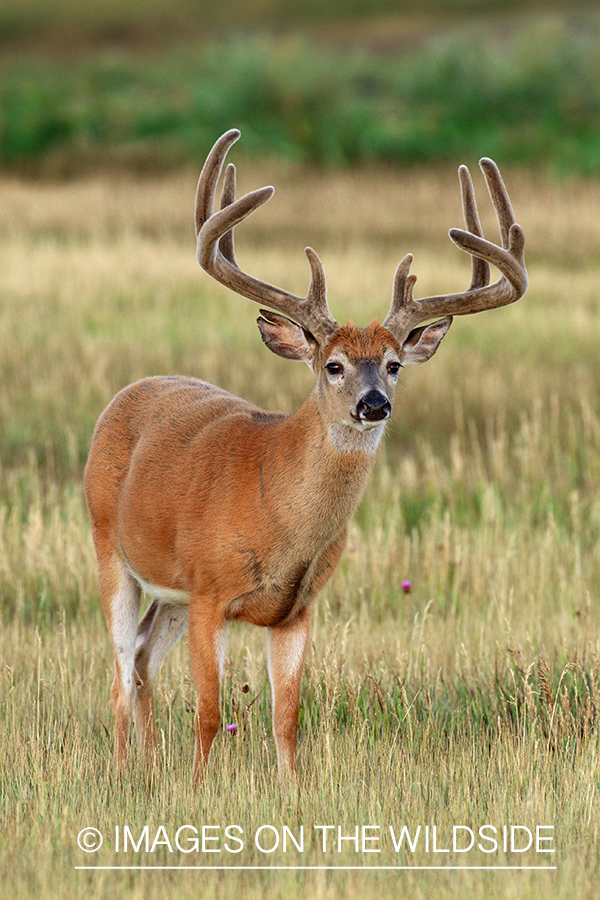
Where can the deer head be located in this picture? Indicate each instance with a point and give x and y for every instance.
(357, 369)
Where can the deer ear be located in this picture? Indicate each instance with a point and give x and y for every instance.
(285, 338)
(421, 343)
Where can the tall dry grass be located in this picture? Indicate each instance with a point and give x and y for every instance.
(473, 699)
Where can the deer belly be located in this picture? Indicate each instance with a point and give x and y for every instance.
(163, 594)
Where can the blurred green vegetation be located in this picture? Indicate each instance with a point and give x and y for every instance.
(530, 94)
(115, 18)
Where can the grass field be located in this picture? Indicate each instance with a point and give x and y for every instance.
(472, 700)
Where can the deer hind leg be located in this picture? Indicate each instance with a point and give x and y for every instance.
(286, 648)
(161, 627)
(121, 604)
(207, 653)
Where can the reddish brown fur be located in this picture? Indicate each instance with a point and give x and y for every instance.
(363, 343)
(194, 490)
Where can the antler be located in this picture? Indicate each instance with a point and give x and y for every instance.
(216, 255)
(406, 312)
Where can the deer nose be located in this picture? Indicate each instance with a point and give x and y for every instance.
(373, 406)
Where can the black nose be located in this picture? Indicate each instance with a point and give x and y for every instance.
(373, 406)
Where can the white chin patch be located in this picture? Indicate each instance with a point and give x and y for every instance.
(356, 436)
(368, 424)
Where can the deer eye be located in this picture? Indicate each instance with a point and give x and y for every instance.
(393, 368)
(334, 368)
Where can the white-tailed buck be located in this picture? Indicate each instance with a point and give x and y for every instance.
(219, 510)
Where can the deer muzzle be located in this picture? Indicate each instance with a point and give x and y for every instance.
(374, 407)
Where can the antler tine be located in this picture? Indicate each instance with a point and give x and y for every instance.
(317, 290)
(480, 270)
(216, 255)
(209, 176)
(226, 245)
(402, 295)
(406, 312)
(499, 196)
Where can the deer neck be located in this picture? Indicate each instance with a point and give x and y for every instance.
(326, 469)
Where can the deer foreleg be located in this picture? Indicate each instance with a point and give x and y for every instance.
(287, 645)
(207, 651)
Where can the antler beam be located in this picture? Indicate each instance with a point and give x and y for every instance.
(216, 254)
(406, 312)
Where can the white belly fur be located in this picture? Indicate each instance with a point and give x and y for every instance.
(162, 594)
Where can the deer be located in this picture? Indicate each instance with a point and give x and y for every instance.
(219, 510)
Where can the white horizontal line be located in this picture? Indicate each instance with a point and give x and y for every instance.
(329, 868)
